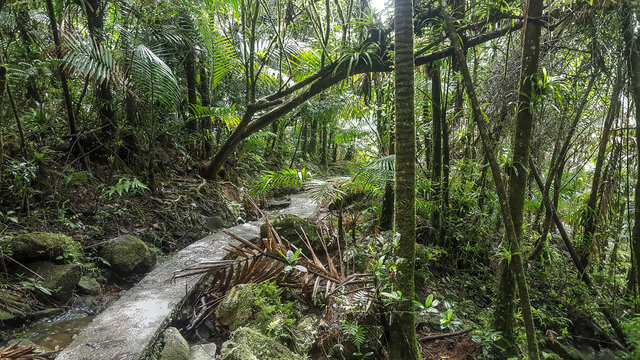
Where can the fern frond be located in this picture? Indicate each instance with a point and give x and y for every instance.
(92, 60)
(154, 77)
(285, 178)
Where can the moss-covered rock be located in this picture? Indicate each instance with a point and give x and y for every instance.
(89, 286)
(43, 246)
(249, 344)
(294, 228)
(175, 347)
(128, 255)
(60, 280)
(258, 306)
(203, 351)
(305, 334)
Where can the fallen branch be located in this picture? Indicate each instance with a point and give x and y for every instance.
(444, 336)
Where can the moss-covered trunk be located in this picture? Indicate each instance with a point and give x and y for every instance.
(403, 343)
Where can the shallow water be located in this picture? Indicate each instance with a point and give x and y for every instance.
(58, 331)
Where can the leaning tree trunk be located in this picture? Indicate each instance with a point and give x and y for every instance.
(403, 343)
(513, 236)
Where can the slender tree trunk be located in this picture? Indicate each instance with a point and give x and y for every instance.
(557, 163)
(436, 174)
(23, 25)
(591, 214)
(313, 137)
(575, 258)
(305, 136)
(95, 10)
(190, 74)
(403, 343)
(445, 178)
(504, 307)
(323, 156)
(18, 121)
(207, 123)
(632, 42)
(63, 78)
(386, 127)
(3, 82)
(513, 237)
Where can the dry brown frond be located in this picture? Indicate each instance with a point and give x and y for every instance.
(17, 352)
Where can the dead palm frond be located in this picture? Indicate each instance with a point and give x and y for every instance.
(272, 260)
(24, 353)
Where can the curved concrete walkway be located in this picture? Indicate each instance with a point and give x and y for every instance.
(130, 326)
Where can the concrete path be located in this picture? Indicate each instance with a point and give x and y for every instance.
(128, 328)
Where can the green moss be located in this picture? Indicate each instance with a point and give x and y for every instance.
(89, 286)
(127, 255)
(60, 280)
(258, 306)
(249, 344)
(175, 346)
(44, 246)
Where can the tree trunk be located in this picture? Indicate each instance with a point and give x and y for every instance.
(95, 23)
(403, 343)
(503, 315)
(313, 137)
(613, 321)
(207, 123)
(3, 82)
(323, 156)
(591, 212)
(557, 164)
(632, 42)
(63, 78)
(513, 236)
(436, 174)
(190, 74)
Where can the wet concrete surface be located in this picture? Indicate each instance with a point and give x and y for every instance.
(129, 327)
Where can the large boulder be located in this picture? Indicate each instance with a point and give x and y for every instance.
(60, 280)
(294, 229)
(249, 344)
(128, 255)
(175, 347)
(43, 246)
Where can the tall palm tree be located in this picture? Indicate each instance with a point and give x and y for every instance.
(403, 343)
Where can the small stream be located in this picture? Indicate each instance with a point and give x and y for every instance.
(57, 331)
